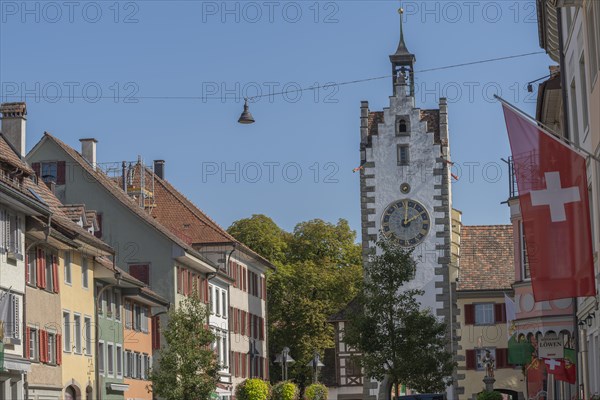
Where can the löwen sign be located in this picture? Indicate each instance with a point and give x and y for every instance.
(551, 347)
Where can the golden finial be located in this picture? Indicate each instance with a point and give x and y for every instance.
(401, 11)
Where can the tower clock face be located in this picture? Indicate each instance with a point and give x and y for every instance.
(406, 221)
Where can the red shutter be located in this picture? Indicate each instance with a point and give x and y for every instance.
(27, 337)
(469, 314)
(42, 346)
(244, 364)
(470, 358)
(155, 332)
(58, 349)
(502, 358)
(499, 313)
(39, 265)
(230, 319)
(37, 168)
(61, 169)
(140, 272)
(98, 233)
(55, 274)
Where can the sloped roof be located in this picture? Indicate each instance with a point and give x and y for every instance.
(179, 214)
(110, 186)
(10, 156)
(486, 258)
(343, 315)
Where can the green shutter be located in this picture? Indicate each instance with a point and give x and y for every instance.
(519, 353)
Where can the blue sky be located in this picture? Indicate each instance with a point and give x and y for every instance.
(63, 56)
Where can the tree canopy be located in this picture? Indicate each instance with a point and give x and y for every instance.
(318, 272)
(394, 336)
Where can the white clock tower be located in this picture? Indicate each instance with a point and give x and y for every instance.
(405, 190)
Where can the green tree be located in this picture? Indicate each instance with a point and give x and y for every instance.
(187, 368)
(262, 235)
(397, 339)
(318, 272)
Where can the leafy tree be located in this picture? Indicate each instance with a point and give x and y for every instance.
(285, 391)
(252, 389)
(319, 270)
(262, 235)
(396, 338)
(187, 368)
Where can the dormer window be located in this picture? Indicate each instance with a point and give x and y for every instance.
(402, 125)
(49, 171)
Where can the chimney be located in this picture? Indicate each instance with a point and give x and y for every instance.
(13, 126)
(159, 168)
(88, 150)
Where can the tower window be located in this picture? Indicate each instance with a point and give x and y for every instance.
(403, 155)
(402, 125)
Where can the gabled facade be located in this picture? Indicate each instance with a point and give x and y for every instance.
(486, 276)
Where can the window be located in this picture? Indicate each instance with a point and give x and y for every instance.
(211, 299)
(131, 364)
(138, 365)
(583, 91)
(110, 359)
(77, 332)
(480, 355)
(84, 272)
(51, 348)
(137, 317)
(146, 366)
(402, 124)
(87, 322)
(11, 240)
(403, 155)
(67, 270)
(217, 301)
(31, 268)
(67, 331)
(100, 356)
(119, 361)
(141, 272)
(484, 314)
(224, 303)
(33, 344)
(10, 318)
(49, 272)
(128, 315)
(525, 272)
(225, 352)
(126, 364)
(592, 43)
(353, 367)
(117, 302)
(49, 171)
(108, 297)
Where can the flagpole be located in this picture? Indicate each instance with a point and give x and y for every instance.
(549, 131)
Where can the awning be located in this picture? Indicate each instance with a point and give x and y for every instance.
(117, 387)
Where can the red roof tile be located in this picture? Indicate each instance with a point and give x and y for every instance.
(486, 258)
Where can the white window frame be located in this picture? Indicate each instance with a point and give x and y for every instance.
(117, 305)
(119, 361)
(110, 359)
(77, 329)
(217, 301)
(101, 354)
(224, 303)
(85, 283)
(488, 309)
(68, 277)
(32, 266)
(51, 348)
(211, 296)
(67, 331)
(87, 325)
(34, 351)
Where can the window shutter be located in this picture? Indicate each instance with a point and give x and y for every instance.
(230, 319)
(262, 329)
(502, 358)
(469, 314)
(27, 338)
(264, 283)
(244, 366)
(61, 168)
(37, 168)
(41, 269)
(140, 272)
(499, 313)
(58, 348)
(26, 257)
(43, 349)
(470, 358)
(55, 274)
(15, 316)
(244, 323)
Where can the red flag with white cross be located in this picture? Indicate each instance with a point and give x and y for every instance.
(553, 195)
(561, 369)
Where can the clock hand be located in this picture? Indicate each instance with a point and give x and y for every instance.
(413, 218)
(405, 212)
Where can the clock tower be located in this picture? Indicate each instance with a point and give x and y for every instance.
(405, 187)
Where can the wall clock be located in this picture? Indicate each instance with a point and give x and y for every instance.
(406, 221)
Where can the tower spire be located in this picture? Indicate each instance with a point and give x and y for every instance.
(403, 62)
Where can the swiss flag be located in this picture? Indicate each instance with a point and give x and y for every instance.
(562, 369)
(553, 195)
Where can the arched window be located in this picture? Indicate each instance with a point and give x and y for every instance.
(402, 126)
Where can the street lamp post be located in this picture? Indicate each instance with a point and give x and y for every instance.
(284, 358)
(315, 364)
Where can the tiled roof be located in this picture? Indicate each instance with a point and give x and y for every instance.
(486, 258)
(10, 156)
(119, 194)
(73, 211)
(175, 211)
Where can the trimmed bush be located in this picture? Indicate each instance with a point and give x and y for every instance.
(316, 391)
(252, 389)
(489, 396)
(285, 391)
